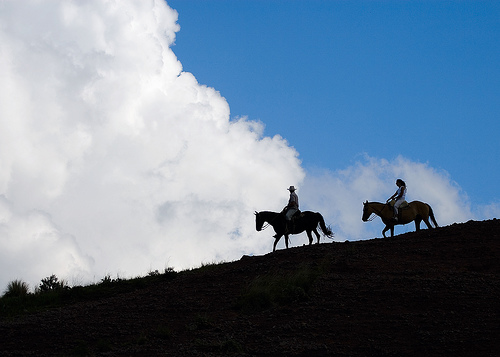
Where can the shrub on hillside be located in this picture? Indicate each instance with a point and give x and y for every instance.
(51, 283)
(16, 288)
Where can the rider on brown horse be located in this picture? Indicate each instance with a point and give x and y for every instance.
(399, 197)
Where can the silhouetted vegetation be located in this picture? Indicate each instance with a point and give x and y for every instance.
(53, 292)
(16, 288)
(52, 283)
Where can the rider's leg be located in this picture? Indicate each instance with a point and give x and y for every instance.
(289, 214)
(396, 208)
(289, 222)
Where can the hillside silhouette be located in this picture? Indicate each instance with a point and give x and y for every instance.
(431, 293)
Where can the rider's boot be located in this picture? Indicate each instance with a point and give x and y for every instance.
(287, 227)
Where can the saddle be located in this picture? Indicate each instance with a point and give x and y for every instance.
(403, 205)
(296, 214)
(290, 225)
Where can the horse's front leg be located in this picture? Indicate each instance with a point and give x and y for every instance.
(276, 240)
(385, 230)
(286, 241)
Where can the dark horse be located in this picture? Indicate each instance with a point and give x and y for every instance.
(416, 211)
(305, 221)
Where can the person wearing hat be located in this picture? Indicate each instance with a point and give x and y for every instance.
(290, 209)
(293, 204)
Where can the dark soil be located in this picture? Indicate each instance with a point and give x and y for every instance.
(431, 293)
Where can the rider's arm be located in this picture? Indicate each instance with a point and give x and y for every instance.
(401, 192)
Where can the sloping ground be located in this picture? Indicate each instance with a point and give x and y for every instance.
(432, 293)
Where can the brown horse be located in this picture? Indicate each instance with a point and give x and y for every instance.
(416, 211)
(306, 221)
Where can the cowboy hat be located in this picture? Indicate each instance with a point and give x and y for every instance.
(291, 188)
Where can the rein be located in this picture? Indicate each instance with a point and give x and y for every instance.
(375, 212)
(372, 217)
(268, 223)
(264, 226)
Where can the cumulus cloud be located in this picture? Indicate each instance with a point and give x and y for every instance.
(32, 243)
(113, 160)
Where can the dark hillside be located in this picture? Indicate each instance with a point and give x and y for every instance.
(432, 293)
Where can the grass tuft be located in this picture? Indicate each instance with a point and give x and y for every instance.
(277, 289)
(17, 288)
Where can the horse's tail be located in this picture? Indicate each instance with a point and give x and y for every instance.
(326, 230)
(431, 215)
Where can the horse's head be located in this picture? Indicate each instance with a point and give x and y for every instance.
(259, 221)
(366, 211)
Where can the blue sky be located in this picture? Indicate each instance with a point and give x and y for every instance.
(338, 79)
(139, 135)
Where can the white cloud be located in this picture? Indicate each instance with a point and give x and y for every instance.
(112, 159)
(488, 211)
(32, 246)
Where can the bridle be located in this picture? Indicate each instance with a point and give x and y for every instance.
(266, 223)
(375, 212)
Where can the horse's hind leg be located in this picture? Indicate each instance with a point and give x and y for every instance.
(317, 234)
(427, 223)
(418, 219)
(309, 235)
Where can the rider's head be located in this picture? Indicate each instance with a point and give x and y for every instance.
(400, 182)
(291, 188)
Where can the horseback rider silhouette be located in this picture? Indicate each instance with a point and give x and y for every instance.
(399, 196)
(291, 208)
(293, 204)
